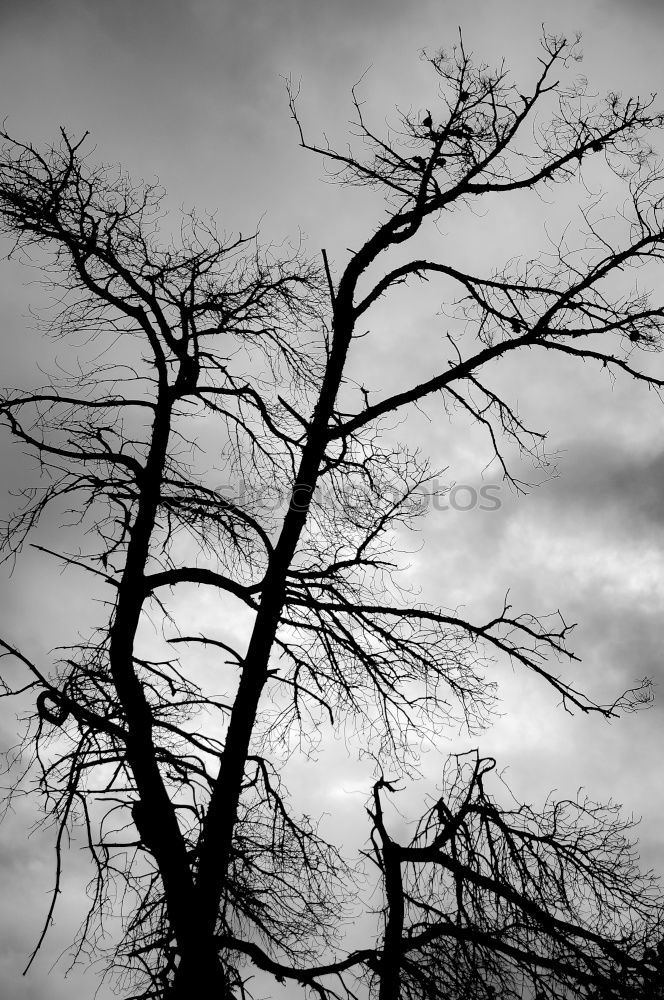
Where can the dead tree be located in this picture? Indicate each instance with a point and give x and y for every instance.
(208, 338)
(491, 900)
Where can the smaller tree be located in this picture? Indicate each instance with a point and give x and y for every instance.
(491, 900)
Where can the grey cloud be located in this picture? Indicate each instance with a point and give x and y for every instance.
(604, 478)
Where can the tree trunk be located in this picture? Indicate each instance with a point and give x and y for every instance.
(200, 976)
(390, 963)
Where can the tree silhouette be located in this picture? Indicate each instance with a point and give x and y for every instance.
(489, 900)
(195, 338)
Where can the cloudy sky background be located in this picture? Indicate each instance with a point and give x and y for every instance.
(192, 92)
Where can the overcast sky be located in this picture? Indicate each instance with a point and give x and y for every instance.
(192, 91)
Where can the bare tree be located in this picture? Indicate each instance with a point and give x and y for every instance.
(489, 900)
(205, 338)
